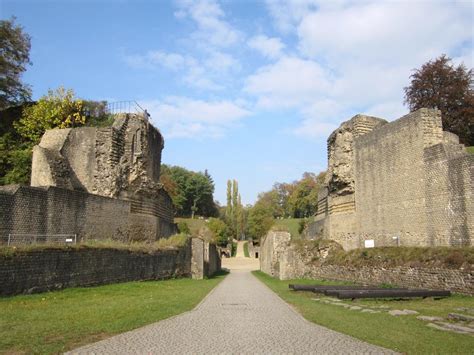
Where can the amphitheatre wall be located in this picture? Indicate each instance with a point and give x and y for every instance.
(98, 183)
(286, 260)
(405, 183)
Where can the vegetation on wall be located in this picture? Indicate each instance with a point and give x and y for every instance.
(57, 109)
(22, 127)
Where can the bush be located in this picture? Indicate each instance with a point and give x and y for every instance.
(183, 228)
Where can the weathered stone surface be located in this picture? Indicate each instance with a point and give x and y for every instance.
(463, 317)
(398, 312)
(97, 183)
(451, 327)
(50, 269)
(400, 183)
(466, 310)
(367, 310)
(430, 319)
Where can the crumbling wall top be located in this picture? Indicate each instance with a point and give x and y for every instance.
(340, 175)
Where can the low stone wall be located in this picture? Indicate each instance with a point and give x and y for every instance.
(280, 258)
(51, 269)
(447, 279)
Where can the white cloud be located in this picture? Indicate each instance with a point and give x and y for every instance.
(210, 20)
(185, 117)
(156, 59)
(269, 47)
(289, 82)
(368, 48)
(390, 32)
(288, 13)
(221, 62)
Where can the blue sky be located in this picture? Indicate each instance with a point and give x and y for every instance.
(249, 90)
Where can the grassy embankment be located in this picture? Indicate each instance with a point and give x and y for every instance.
(54, 322)
(174, 241)
(246, 250)
(289, 224)
(405, 334)
(194, 225)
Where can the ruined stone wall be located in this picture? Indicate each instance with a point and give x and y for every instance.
(205, 259)
(449, 195)
(53, 210)
(121, 161)
(400, 183)
(272, 246)
(389, 172)
(282, 259)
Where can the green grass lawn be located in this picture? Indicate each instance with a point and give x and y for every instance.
(404, 334)
(246, 250)
(291, 224)
(58, 321)
(470, 150)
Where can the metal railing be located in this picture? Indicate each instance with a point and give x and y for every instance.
(29, 239)
(125, 107)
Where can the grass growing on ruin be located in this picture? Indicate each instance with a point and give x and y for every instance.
(470, 150)
(54, 322)
(290, 225)
(175, 241)
(246, 250)
(405, 256)
(194, 225)
(404, 334)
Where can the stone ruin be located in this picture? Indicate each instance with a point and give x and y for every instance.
(93, 182)
(405, 182)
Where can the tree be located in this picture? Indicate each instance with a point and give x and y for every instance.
(234, 213)
(191, 192)
(303, 200)
(57, 109)
(15, 47)
(260, 219)
(228, 211)
(439, 84)
(219, 230)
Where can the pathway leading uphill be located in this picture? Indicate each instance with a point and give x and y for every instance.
(241, 315)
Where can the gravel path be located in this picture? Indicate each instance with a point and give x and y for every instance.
(241, 315)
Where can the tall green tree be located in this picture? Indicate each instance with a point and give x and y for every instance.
(15, 45)
(191, 192)
(228, 211)
(441, 85)
(303, 200)
(220, 231)
(260, 219)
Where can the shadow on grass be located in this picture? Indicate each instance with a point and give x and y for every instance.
(221, 273)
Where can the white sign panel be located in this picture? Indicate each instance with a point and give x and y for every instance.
(369, 243)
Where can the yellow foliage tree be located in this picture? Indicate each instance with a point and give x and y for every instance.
(57, 109)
